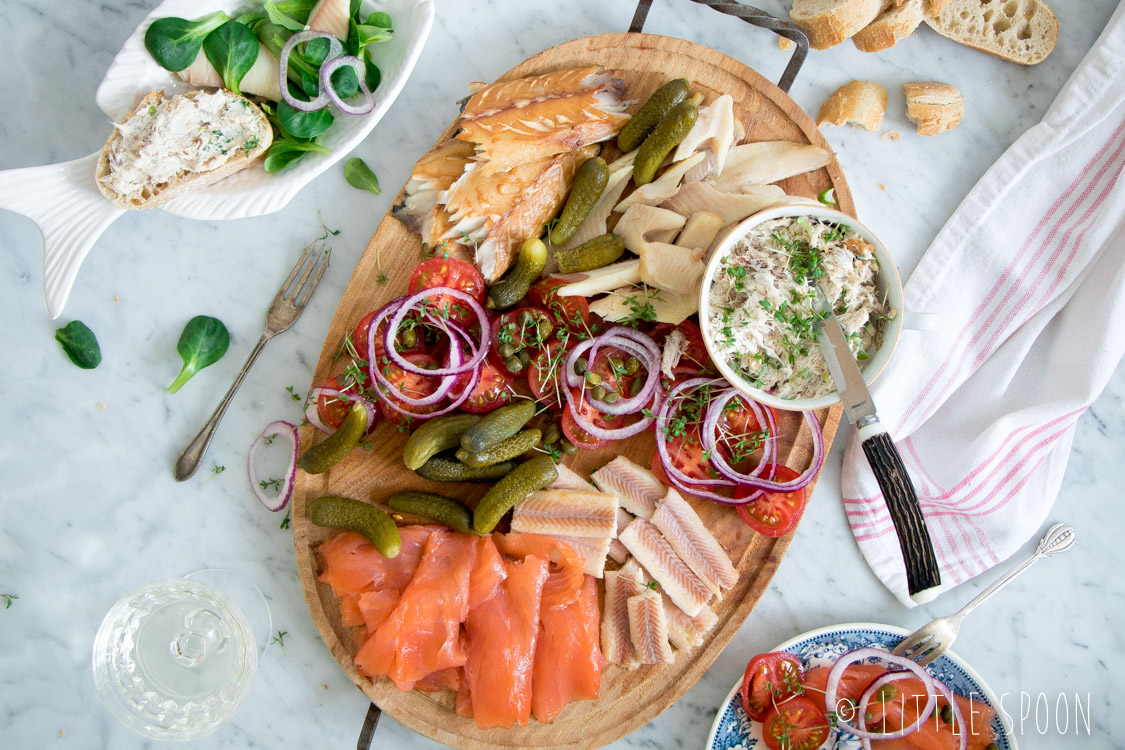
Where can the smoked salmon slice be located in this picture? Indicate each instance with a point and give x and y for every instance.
(351, 565)
(501, 636)
(934, 734)
(566, 575)
(423, 633)
(568, 660)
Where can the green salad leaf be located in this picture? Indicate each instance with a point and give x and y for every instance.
(276, 15)
(203, 343)
(174, 42)
(80, 344)
(359, 175)
(303, 125)
(285, 151)
(231, 49)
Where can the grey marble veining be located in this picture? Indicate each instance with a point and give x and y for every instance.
(89, 510)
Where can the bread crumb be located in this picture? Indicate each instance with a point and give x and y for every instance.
(116, 298)
(861, 103)
(881, 186)
(891, 135)
(933, 107)
(785, 43)
(324, 686)
(62, 733)
(101, 406)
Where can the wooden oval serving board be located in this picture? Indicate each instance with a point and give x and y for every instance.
(629, 699)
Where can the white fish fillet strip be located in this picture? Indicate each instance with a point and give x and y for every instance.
(592, 551)
(684, 632)
(617, 646)
(636, 487)
(648, 628)
(568, 512)
(569, 479)
(662, 562)
(684, 530)
(616, 549)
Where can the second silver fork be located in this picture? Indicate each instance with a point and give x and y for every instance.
(286, 307)
(933, 639)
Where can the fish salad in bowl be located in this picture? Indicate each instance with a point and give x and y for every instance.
(764, 309)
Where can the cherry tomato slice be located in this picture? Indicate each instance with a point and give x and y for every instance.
(774, 514)
(332, 410)
(575, 434)
(686, 453)
(519, 336)
(770, 678)
(796, 724)
(696, 355)
(571, 313)
(453, 273)
(410, 383)
(739, 436)
(493, 391)
(362, 330)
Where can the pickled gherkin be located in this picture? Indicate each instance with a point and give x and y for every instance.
(598, 252)
(505, 450)
(513, 287)
(444, 510)
(332, 450)
(589, 184)
(496, 426)
(371, 522)
(435, 436)
(445, 469)
(665, 137)
(526, 478)
(651, 113)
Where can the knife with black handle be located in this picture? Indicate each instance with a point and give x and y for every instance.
(923, 576)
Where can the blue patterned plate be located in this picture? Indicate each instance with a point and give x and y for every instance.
(734, 730)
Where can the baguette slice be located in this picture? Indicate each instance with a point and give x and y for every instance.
(1022, 31)
(829, 22)
(117, 155)
(891, 27)
(933, 107)
(861, 103)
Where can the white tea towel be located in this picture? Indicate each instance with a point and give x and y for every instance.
(1029, 278)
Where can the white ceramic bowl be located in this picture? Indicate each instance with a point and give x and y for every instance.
(887, 283)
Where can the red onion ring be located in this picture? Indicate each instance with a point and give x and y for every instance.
(312, 415)
(322, 99)
(958, 716)
(453, 405)
(281, 499)
(407, 304)
(769, 485)
(709, 438)
(330, 67)
(853, 657)
(616, 433)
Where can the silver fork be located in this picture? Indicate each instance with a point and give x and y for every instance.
(286, 307)
(932, 640)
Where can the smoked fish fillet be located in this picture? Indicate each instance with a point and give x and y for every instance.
(568, 659)
(567, 512)
(501, 636)
(616, 642)
(684, 530)
(523, 91)
(592, 551)
(648, 628)
(676, 579)
(637, 488)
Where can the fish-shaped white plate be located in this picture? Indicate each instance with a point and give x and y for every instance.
(71, 213)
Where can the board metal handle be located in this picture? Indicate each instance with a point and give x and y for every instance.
(754, 16)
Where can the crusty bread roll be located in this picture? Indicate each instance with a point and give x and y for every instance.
(1022, 31)
(861, 103)
(890, 27)
(933, 107)
(138, 167)
(829, 22)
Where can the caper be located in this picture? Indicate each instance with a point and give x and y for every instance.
(505, 350)
(869, 717)
(598, 393)
(552, 434)
(567, 448)
(947, 714)
(886, 693)
(527, 318)
(513, 364)
(593, 378)
(544, 328)
(430, 366)
(409, 338)
(632, 364)
(636, 388)
(611, 398)
(615, 364)
(524, 358)
(580, 366)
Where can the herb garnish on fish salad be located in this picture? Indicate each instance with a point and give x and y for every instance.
(764, 310)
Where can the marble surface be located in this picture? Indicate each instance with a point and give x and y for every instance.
(88, 507)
